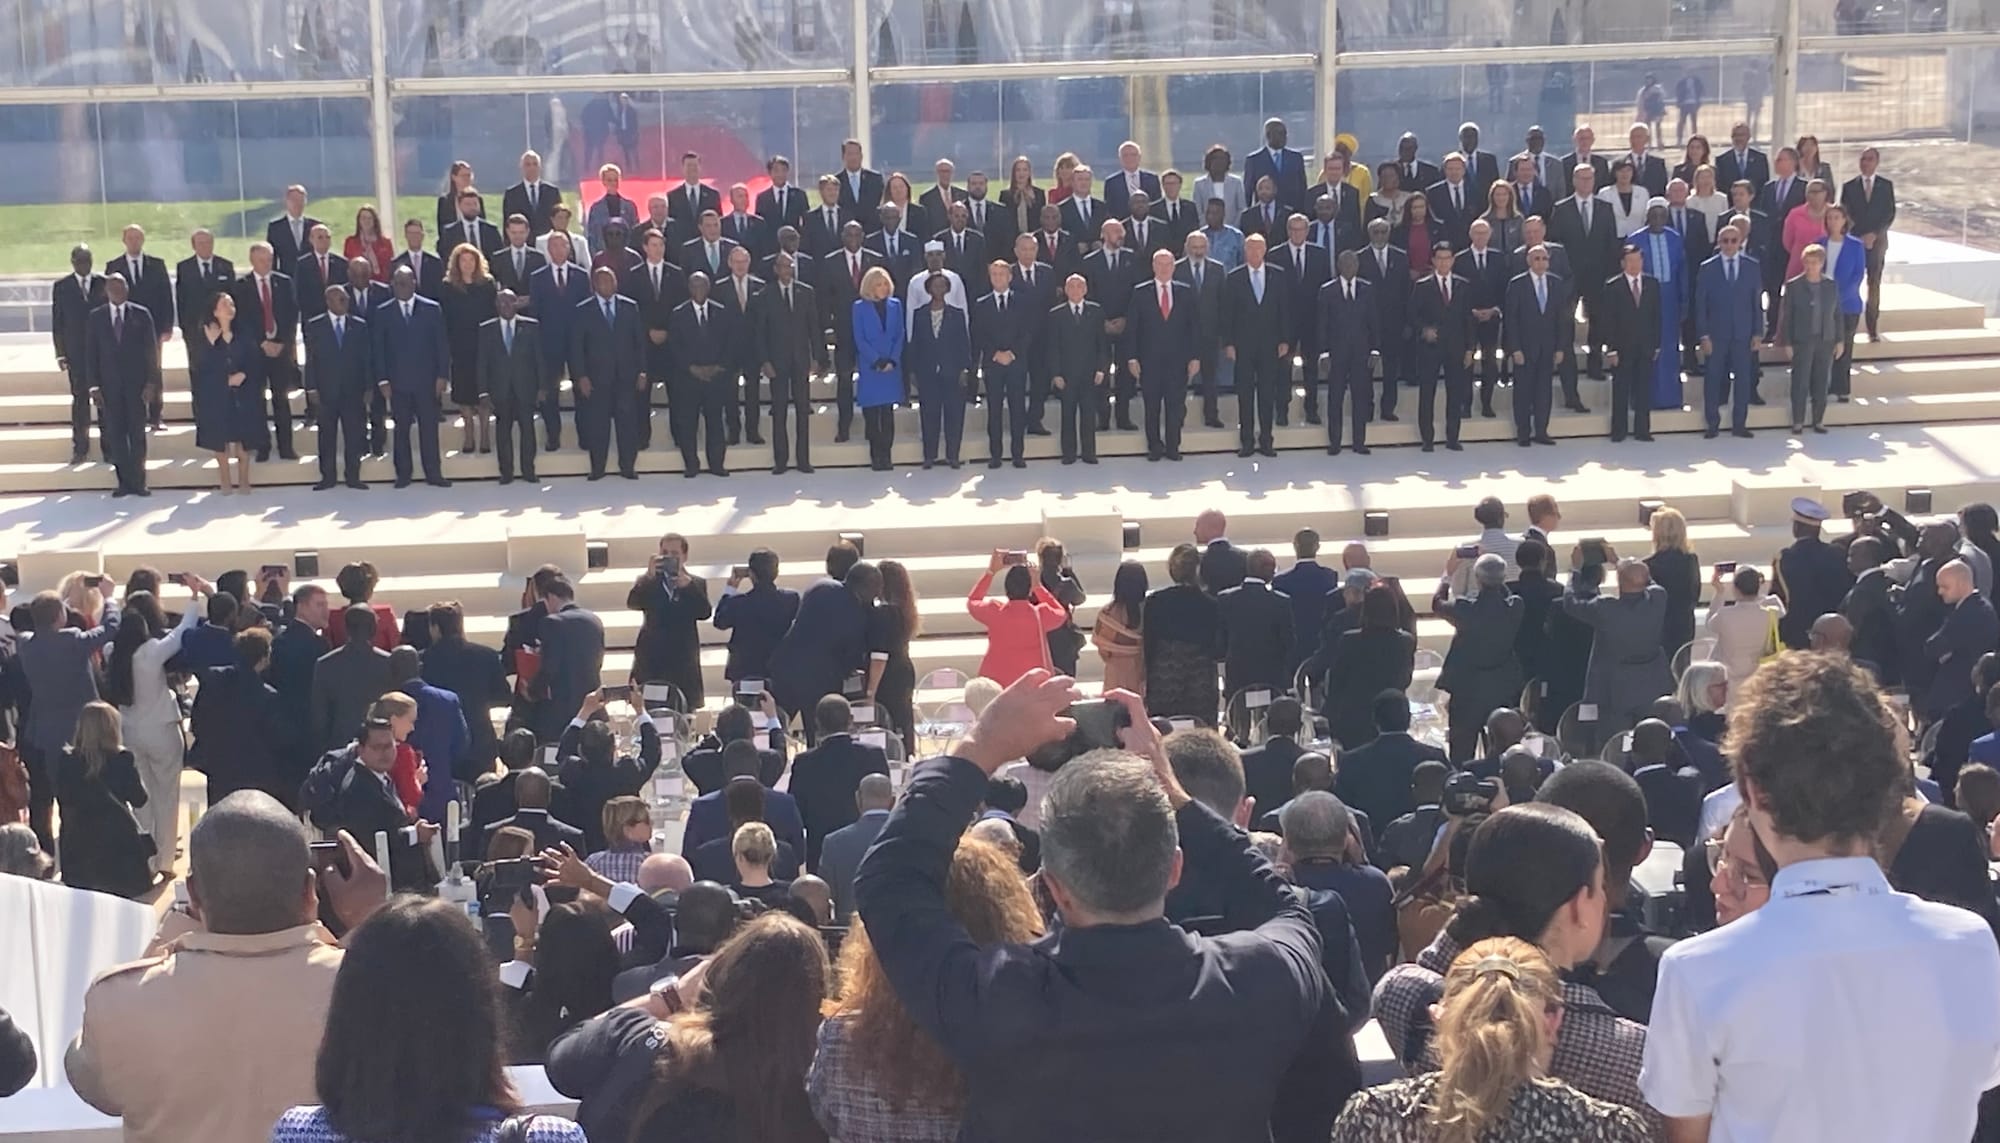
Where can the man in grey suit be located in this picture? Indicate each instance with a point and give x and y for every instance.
(1628, 670)
(794, 344)
(1811, 334)
(840, 855)
(347, 680)
(56, 665)
(510, 374)
(572, 659)
(1205, 277)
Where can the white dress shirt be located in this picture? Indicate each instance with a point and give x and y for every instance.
(916, 298)
(1841, 1010)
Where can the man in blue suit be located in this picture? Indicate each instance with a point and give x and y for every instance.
(1286, 166)
(1729, 321)
(1164, 355)
(1350, 329)
(1307, 584)
(340, 368)
(1130, 177)
(708, 818)
(607, 365)
(1538, 326)
(554, 293)
(412, 365)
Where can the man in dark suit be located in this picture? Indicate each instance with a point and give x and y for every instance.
(534, 790)
(287, 233)
(1454, 200)
(1163, 356)
(1307, 584)
(1130, 176)
(608, 367)
(295, 652)
(820, 233)
(1742, 161)
(514, 267)
(531, 198)
(197, 279)
(1531, 198)
(367, 805)
(1003, 329)
(1968, 631)
(1692, 224)
(1264, 215)
(743, 226)
(1341, 214)
(1870, 200)
(703, 332)
(1207, 280)
(1481, 670)
(1034, 281)
(1649, 170)
(1484, 268)
(572, 641)
(756, 616)
(671, 601)
(1348, 319)
(1285, 165)
(1537, 328)
(556, 293)
(1535, 232)
(1442, 336)
(412, 367)
(964, 248)
(1730, 324)
(427, 266)
(267, 312)
(146, 278)
(827, 778)
(340, 373)
(860, 187)
(708, 251)
(1787, 189)
(1079, 360)
(1307, 267)
(72, 299)
(1258, 336)
(316, 269)
(787, 240)
(791, 336)
(839, 287)
(743, 406)
(841, 851)
(1418, 174)
(900, 251)
(1181, 216)
(347, 679)
(1482, 168)
(655, 284)
(510, 374)
(691, 199)
(1387, 269)
(470, 228)
(1629, 311)
(1223, 564)
(1256, 627)
(1375, 778)
(1083, 216)
(1113, 272)
(1143, 232)
(937, 200)
(1587, 231)
(123, 362)
(472, 672)
(1054, 245)
(781, 203)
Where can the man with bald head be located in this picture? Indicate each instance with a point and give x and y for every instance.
(840, 854)
(1223, 565)
(665, 873)
(1113, 273)
(1163, 355)
(1628, 669)
(1968, 631)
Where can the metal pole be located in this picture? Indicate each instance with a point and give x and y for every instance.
(382, 119)
(863, 109)
(1785, 77)
(1325, 95)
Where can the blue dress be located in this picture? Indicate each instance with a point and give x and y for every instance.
(878, 336)
(1675, 280)
(309, 1125)
(229, 416)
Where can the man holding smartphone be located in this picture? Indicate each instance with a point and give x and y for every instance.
(756, 612)
(672, 601)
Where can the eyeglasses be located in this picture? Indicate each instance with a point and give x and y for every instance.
(1719, 862)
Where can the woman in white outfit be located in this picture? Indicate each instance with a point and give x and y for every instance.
(1743, 621)
(136, 681)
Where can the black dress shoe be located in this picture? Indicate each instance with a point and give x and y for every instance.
(1211, 422)
(1708, 434)
(1038, 430)
(1820, 429)
(1244, 450)
(1282, 419)
(840, 436)
(1524, 442)
(1454, 446)
(1647, 437)
(993, 462)
(1744, 433)
(1312, 417)
(119, 493)
(358, 485)
(325, 485)
(689, 473)
(440, 482)
(1391, 417)
(1173, 454)
(1090, 460)
(550, 444)
(1486, 410)
(1125, 425)
(531, 478)
(79, 456)
(1755, 399)
(1577, 407)
(263, 455)
(1069, 460)
(142, 492)
(629, 475)
(600, 476)
(754, 438)
(1267, 450)
(1840, 397)
(1545, 439)
(1152, 456)
(805, 468)
(287, 454)
(1362, 450)
(953, 464)
(1333, 450)
(403, 482)
(1428, 447)
(778, 470)
(1020, 462)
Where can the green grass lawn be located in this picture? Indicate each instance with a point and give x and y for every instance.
(37, 239)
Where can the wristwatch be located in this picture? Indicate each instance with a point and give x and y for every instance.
(668, 992)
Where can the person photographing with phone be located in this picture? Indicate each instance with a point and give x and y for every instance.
(1017, 628)
(672, 601)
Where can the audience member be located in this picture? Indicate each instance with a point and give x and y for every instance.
(1628, 669)
(1267, 766)
(593, 773)
(1376, 778)
(348, 679)
(57, 666)
(1744, 621)
(1625, 965)
(473, 673)
(1254, 624)
(137, 682)
(826, 778)
(1017, 629)
(1482, 668)
(561, 975)
(1673, 790)
(756, 617)
(708, 818)
(236, 726)
(1407, 840)
(705, 913)
(1320, 856)
(1119, 633)
(671, 600)
(98, 792)
(1180, 629)
(626, 825)
(841, 851)
(1377, 656)
(733, 723)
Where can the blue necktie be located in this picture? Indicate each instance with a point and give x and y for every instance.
(507, 335)
(1542, 294)
(608, 318)
(339, 332)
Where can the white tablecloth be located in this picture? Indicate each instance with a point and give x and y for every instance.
(54, 940)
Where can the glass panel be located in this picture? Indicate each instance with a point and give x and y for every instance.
(82, 172)
(1895, 17)
(1400, 25)
(982, 125)
(194, 41)
(614, 37)
(1005, 31)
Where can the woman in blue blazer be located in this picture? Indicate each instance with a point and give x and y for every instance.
(940, 356)
(878, 359)
(1847, 265)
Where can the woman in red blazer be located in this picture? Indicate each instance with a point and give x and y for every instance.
(368, 239)
(1017, 628)
(357, 583)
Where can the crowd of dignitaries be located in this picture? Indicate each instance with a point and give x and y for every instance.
(1077, 298)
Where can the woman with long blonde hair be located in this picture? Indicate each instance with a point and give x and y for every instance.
(1496, 1031)
(469, 293)
(1676, 567)
(102, 845)
(878, 1075)
(1066, 165)
(1503, 214)
(892, 676)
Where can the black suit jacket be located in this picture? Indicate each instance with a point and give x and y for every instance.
(502, 265)
(367, 805)
(802, 265)
(907, 260)
(1348, 328)
(1059, 251)
(1482, 170)
(285, 250)
(1534, 332)
(128, 363)
(572, 642)
(428, 269)
(511, 380)
(1256, 626)
(838, 290)
(152, 289)
(1182, 219)
(684, 214)
(1290, 178)
(1870, 214)
(823, 783)
(1452, 322)
(1489, 286)
(1598, 163)
(694, 256)
(789, 212)
(1650, 173)
(937, 206)
(1157, 236)
(792, 338)
(655, 305)
(1305, 287)
(1267, 772)
(1111, 286)
(1223, 566)
(481, 234)
(818, 238)
(1077, 349)
(1163, 346)
(1768, 200)
(756, 620)
(1632, 330)
(1258, 328)
(1593, 251)
(995, 330)
(750, 232)
(345, 680)
(1118, 188)
(1392, 288)
(608, 355)
(70, 306)
(742, 328)
(1208, 300)
(532, 205)
(1088, 232)
(964, 252)
(1756, 168)
(339, 370)
(1348, 231)
(1695, 238)
(668, 648)
(1265, 219)
(1043, 292)
(476, 674)
(310, 285)
(1455, 221)
(860, 208)
(704, 341)
(193, 292)
(1375, 778)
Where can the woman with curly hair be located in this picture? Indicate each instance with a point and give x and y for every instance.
(469, 293)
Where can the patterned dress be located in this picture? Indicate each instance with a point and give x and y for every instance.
(1543, 1111)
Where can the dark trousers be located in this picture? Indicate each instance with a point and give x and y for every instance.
(124, 431)
(378, 421)
(41, 794)
(1039, 388)
(1211, 408)
(1843, 366)
(1878, 256)
(1311, 372)
(1567, 371)
(1260, 376)
(878, 424)
(1534, 380)
(659, 367)
(1489, 359)
(282, 376)
(1430, 361)
(791, 409)
(1117, 388)
(1006, 407)
(197, 344)
(746, 408)
(1593, 341)
(1395, 357)
(511, 417)
(611, 408)
(1728, 362)
(1079, 420)
(418, 410)
(1462, 739)
(79, 413)
(1773, 267)
(843, 371)
(700, 414)
(1631, 395)
(941, 413)
(1348, 380)
(1163, 393)
(341, 420)
(551, 404)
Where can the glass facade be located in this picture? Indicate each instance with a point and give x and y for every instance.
(182, 113)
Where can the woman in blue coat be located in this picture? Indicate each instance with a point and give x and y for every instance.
(1847, 265)
(878, 358)
(228, 398)
(939, 358)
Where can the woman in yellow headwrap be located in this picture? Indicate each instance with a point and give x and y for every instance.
(1357, 171)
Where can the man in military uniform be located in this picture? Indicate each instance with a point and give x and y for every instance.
(1812, 576)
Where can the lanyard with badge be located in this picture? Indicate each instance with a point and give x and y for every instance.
(1814, 887)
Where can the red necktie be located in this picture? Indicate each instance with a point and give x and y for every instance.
(1166, 303)
(1635, 292)
(854, 267)
(264, 295)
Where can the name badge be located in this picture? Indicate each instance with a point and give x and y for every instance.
(656, 692)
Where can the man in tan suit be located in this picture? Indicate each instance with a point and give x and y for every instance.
(246, 992)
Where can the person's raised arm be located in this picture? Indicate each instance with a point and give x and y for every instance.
(1048, 608)
(649, 749)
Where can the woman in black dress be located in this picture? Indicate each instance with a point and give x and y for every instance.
(102, 846)
(1379, 656)
(229, 413)
(1065, 642)
(1181, 630)
(1676, 567)
(456, 179)
(468, 300)
(892, 677)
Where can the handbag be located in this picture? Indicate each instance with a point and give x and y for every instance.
(1773, 646)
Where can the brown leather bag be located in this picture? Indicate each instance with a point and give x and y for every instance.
(13, 785)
